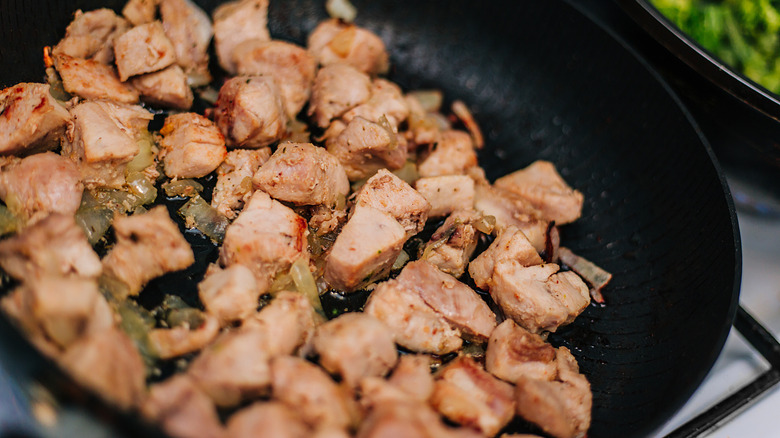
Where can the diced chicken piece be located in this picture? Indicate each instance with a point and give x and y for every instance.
(305, 387)
(182, 409)
(31, 120)
(545, 189)
(409, 419)
(40, 184)
(365, 249)
(139, 12)
(468, 395)
(331, 433)
(355, 345)
(229, 294)
(326, 220)
(337, 89)
(89, 79)
(446, 194)
(511, 210)
(233, 368)
(54, 246)
(455, 301)
(510, 245)
(452, 245)
(337, 42)
(538, 298)
(143, 49)
(386, 100)
(389, 193)
(147, 245)
(177, 341)
(365, 147)
(415, 325)
(91, 35)
(234, 179)
(267, 420)
(514, 352)
(288, 322)
(235, 22)
(191, 146)
(250, 112)
(267, 237)
(303, 174)
(291, 66)
(167, 87)
(103, 139)
(108, 363)
(190, 31)
(453, 155)
(413, 376)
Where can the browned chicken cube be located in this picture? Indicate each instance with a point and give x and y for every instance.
(468, 395)
(140, 11)
(509, 210)
(387, 100)
(452, 244)
(446, 194)
(91, 35)
(41, 184)
(514, 352)
(191, 146)
(409, 419)
(413, 376)
(250, 112)
(389, 193)
(147, 245)
(235, 22)
(267, 237)
(143, 49)
(337, 42)
(355, 345)
(546, 190)
(103, 139)
(453, 155)
(288, 322)
(291, 66)
(337, 89)
(303, 174)
(267, 420)
(54, 246)
(365, 249)
(31, 120)
(182, 409)
(167, 87)
(189, 29)
(229, 294)
(511, 244)
(365, 147)
(89, 79)
(234, 179)
(167, 343)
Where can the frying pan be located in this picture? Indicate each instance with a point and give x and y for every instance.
(545, 82)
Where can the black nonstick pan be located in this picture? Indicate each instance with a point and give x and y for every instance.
(545, 82)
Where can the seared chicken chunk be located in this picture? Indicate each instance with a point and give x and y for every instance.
(267, 420)
(54, 246)
(147, 245)
(234, 179)
(446, 194)
(143, 49)
(91, 35)
(409, 419)
(291, 66)
(453, 155)
(336, 42)
(389, 193)
(40, 184)
(191, 146)
(303, 174)
(288, 322)
(514, 352)
(509, 210)
(386, 100)
(355, 345)
(89, 79)
(182, 409)
(337, 89)
(140, 11)
(235, 22)
(468, 395)
(190, 32)
(365, 147)
(31, 120)
(365, 249)
(510, 245)
(229, 294)
(167, 87)
(413, 376)
(452, 245)
(543, 187)
(167, 343)
(266, 237)
(103, 139)
(250, 112)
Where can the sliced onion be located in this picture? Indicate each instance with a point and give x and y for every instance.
(146, 153)
(430, 100)
(486, 224)
(305, 284)
(341, 9)
(462, 111)
(197, 213)
(182, 187)
(383, 122)
(95, 222)
(56, 88)
(596, 277)
(142, 187)
(408, 172)
(400, 261)
(9, 223)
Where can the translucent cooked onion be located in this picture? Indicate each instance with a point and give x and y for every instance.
(8, 222)
(146, 153)
(304, 282)
(182, 187)
(596, 277)
(142, 187)
(486, 224)
(408, 172)
(400, 261)
(430, 100)
(197, 213)
(94, 221)
(341, 9)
